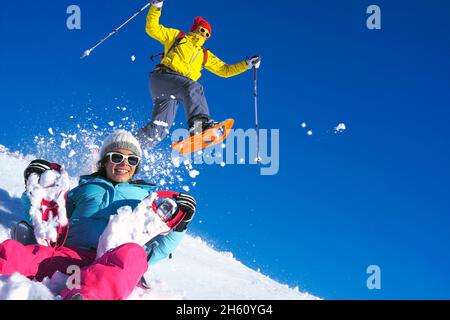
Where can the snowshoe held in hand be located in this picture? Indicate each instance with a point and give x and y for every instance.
(39, 166)
(47, 185)
(175, 209)
(156, 215)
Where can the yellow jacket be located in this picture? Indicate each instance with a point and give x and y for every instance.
(187, 58)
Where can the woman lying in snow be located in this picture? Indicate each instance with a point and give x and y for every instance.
(112, 268)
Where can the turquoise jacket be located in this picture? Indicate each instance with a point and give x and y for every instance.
(90, 205)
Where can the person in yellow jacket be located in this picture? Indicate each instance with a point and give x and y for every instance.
(174, 80)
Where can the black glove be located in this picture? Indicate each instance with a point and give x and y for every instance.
(39, 166)
(186, 204)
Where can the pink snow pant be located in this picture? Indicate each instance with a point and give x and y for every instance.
(111, 277)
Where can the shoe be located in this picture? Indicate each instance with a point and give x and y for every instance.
(76, 296)
(205, 125)
(143, 282)
(218, 132)
(209, 124)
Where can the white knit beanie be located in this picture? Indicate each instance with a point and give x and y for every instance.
(121, 139)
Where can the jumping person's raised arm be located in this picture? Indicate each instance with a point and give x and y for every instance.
(220, 68)
(156, 30)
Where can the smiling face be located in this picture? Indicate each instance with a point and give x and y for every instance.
(122, 172)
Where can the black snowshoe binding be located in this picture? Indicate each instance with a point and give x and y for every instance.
(200, 125)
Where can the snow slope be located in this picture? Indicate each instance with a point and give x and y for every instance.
(196, 271)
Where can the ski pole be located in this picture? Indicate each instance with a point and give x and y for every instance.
(255, 93)
(88, 52)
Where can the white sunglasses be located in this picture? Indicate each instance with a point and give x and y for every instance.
(118, 158)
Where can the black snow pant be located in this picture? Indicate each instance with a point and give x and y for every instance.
(168, 89)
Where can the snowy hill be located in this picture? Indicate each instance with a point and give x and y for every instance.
(196, 271)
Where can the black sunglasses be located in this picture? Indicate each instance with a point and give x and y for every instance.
(118, 158)
(205, 32)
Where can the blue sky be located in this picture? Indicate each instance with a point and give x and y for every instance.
(376, 194)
